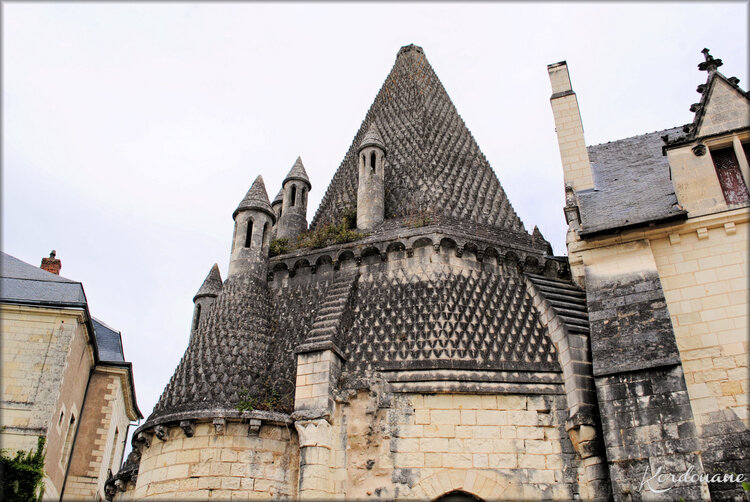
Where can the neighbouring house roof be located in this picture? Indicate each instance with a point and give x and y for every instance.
(25, 284)
(632, 184)
(21, 282)
(109, 342)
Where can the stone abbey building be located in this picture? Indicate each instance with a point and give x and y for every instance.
(418, 343)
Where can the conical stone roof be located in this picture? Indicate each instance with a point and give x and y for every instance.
(433, 162)
(256, 198)
(279, 197)
(212, 285)
(298, 173)
(372, 138)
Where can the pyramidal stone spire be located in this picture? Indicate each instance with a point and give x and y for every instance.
(212, 285)
(298, 173)
(256, 198)
(434, 164)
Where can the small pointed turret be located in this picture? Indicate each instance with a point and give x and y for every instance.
(293, 210)
(276, 206)
(370, 190)
(205, 297)
(253, 220)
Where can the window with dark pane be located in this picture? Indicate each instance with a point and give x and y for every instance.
(730, 176)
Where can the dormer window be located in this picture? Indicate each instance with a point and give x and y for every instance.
(730, 176)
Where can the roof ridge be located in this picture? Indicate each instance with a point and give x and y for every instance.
(636, 136)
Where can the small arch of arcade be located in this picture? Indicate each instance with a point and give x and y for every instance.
(371, 253)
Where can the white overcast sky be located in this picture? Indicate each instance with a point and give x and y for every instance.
(131, 131)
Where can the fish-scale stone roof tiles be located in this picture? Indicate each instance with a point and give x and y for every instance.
(434, 164)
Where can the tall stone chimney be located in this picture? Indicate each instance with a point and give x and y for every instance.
(51, 264)
(575, 158)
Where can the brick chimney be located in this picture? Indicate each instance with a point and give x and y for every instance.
(51, 264)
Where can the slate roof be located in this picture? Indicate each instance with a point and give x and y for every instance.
(21, 282)
(632, 184)
(433, 163)
(108, 341)
(297, 172)
(256, 198)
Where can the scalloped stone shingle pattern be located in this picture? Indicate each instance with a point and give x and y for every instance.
(228, 353)
(445, 318)
(433, 163)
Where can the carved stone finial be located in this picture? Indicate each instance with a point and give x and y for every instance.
(699, 150)
(710, 64)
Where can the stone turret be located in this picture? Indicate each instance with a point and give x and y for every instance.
(253, 220)
(276, 206)
(370, 191)
(205, 297)
(293, 210)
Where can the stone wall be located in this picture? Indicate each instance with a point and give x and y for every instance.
(649, 429)
(45, 367)
(101, 439)
(704, 270)
(227, 461)
(419, 446)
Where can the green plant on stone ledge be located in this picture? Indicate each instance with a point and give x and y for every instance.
(23, 474)
(329, 235)
(268, 400)
(279, 246)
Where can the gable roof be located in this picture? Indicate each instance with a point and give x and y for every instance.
(633, 184)
(433, 163)
(713, 113)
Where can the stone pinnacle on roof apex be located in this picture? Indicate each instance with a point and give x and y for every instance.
(297, 172)
(410, 48)
(372, 138)
(211, 285)
(256, 198)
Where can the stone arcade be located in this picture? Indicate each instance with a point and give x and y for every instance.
(446, 351)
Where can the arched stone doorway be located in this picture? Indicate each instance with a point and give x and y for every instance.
(458, 496)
